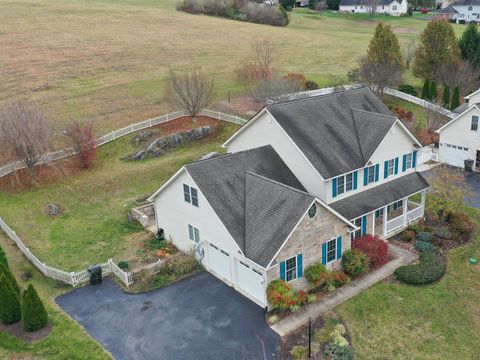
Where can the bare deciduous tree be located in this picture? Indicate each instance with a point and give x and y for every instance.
(276, 89)
(24, 132)
(82, 139)
(371, 6)
(434, 120)
(259, 65)
(408, 51)
(378, 75)
(462, 74)
(190, 90)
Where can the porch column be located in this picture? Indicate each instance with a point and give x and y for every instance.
(424, 196)
(385, 221)
(405, 210)
(373, 223)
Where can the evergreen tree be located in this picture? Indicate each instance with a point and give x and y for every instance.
(34, 314)
(3, 258)
(426, 90)
(433, 90)
(8, 274)
(287, 4)
(333, 4)
(469, 44)
(455, 98)
(384, 47)
(10, 311)
(446, 96)
(438, 46)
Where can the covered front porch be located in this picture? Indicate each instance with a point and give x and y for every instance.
(386, 209)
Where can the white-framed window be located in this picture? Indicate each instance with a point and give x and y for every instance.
(340, 185)
(378, 213)
(408, 161)
(190, 195)
(395, 206)
(291, 268)
(193, 233)
(394, 7)
(470, 8)
(371, 173)
(474, 125)
(358, 233)
(331, 250)
(344, 183)
(391, 167)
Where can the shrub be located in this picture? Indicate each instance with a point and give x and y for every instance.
(311, 85)
(408, 89)
(413, 227)
(180, 265)
(8, 274)
(82, 139)
(333, 4)
(34, 315)
(123, 264)
(297, 78)
(355, 262)
(431, 267)
(190, 6)
(424, 11)
(408, 235)
(375, 248)
(423, 246)
(10, 311)
(316, 274)
(443, 233)
(462, 225)
(3, 258)
(424, 236)
(273, 319)
(299, 352)
(337, 352)
(336, 279)
(311, 298)
(281, 295)
(287, 4)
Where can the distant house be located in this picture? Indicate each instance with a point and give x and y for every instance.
(390, 7)
(461, 11)
(460, 138)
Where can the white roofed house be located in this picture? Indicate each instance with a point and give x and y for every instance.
(390, 7)
(300, 180)
(461, 11)
(459, 139)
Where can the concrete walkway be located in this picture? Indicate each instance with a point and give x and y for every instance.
(344, 293)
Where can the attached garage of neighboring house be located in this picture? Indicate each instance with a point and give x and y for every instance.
(219, 261)
(455, 155)
(250, 280)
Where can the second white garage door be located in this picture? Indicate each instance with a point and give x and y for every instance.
(251, 281)
(455, 155)
(219, 262)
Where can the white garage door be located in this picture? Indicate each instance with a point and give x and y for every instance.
(251, 281)
(219, 261)
(455, 155)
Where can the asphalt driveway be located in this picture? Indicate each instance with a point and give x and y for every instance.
(197, 318)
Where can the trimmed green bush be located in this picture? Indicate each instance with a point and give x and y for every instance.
(455, 98)
(426, 90)
(34, 314)
(443, 233)
(316, 274)
(423, 246)
(424, 236)
(408, 89)
(8, 274)
(337, 352)
(3, 258)
(355, 262)
(433, 90)
(123, 264)
(432, 267)
(10, 311)
(446, 96)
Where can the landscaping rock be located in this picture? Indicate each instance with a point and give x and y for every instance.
(139, 156)
(53, 209)
(143, 137)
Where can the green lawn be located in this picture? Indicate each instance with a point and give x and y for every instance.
(439, 321)
(94, 225)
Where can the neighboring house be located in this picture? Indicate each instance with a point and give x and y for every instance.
(302, 178)
(460, 138)
(389, 7)
(462, 10)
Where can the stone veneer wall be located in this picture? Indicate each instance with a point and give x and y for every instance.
(307, 239)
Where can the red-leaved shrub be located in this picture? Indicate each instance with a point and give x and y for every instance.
(83, 142)
(375, 248)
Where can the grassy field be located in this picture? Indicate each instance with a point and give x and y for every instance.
(439, 321)
(108, 60)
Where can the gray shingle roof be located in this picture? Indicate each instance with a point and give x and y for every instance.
(272, 211)
(365, 2)
(332, 131)
(222, 181)
(466, 2)
(373, 199)
(447, 10)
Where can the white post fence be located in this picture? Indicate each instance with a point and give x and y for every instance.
(116, 134)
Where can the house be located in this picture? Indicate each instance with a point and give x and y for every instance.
(459, 139)
(300, 180)
(464, 11)
(389, 7)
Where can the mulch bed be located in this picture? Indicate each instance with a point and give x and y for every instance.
(184, 124)
(17, 331)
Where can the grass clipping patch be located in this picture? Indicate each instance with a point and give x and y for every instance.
(432, 267)
(174, 268)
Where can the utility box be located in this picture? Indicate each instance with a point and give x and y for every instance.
(95, 272)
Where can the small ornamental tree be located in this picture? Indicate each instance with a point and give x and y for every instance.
(10, 312)
(375, 248)
(8, 274)
(34, 315)
(3, 258)
(426, 90)
(446, 96)
(355, 262)
(433, 91)
(83, 142)
(455, 98)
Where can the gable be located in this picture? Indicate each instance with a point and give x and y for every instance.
(461, 118)
(459, 131)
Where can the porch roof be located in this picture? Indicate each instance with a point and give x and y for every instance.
(367, 201)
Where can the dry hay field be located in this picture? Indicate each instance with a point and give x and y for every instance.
(108, 60)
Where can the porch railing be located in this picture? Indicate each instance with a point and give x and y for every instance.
(399, 221)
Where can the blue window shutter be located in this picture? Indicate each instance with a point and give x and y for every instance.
(299, 266)
(364, 225)
(365, 176)
(339, 247)
(355, 180)
(324, 253)
(334, 187)
(385, 174)
(414, 159)
(396, 165)
(404, 163)
(282, 270)
(377, 172)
